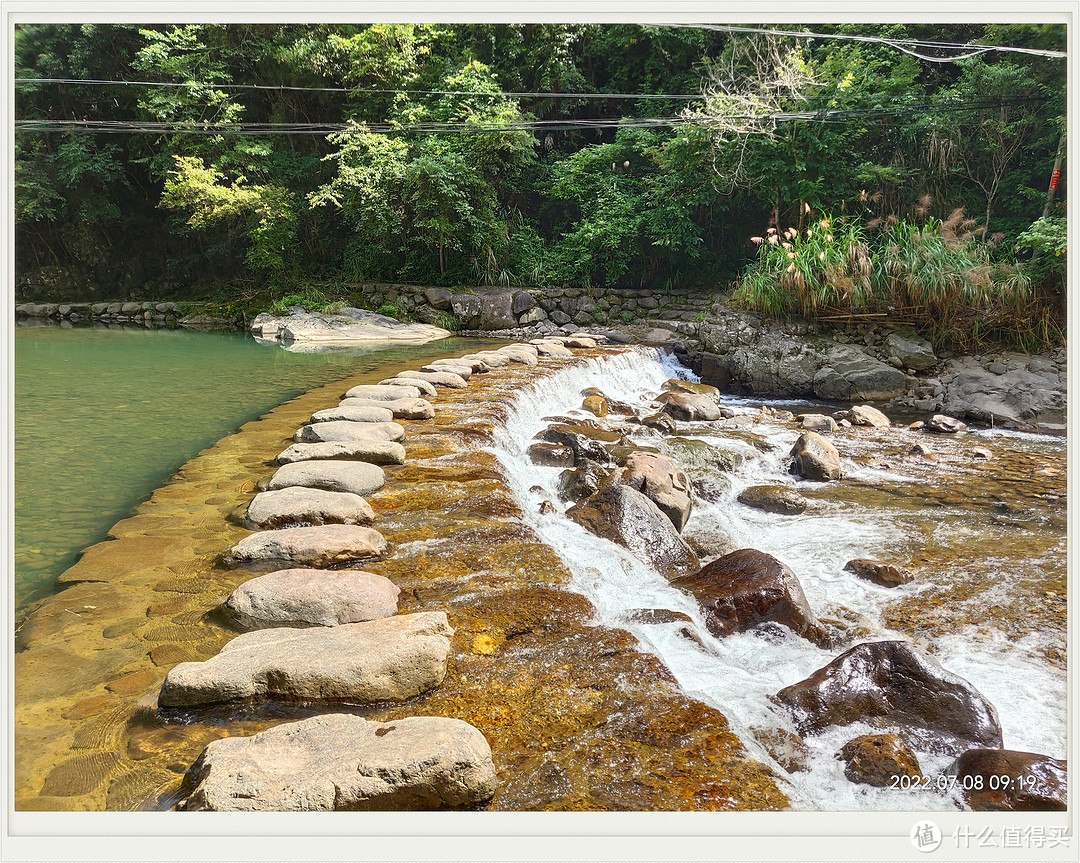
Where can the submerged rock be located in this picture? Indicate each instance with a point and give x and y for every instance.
(663, 482)
(343, 430)
(787, 749)
(316, 597)
(773, 498)
(392, 659)
(878, 571)
(1025, 781)
(294, 504)
(891, 684)
(340, 762)
(876, 759)
(816, 459)
(319, 547)
(625, 516)
(749, 587)
(372, 451)
(356, 477)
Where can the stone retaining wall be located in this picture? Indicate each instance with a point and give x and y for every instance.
(145, 312)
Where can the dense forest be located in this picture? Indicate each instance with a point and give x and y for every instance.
(226, 159)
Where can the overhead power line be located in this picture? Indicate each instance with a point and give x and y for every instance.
(678, 97)
(908, 46)
(194, 127)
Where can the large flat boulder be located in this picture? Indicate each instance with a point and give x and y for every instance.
(547, 348)
(625, 516)
(514, 355)
(343, 430)
(302, 505)
(678, 385)
(392, 659)
(355, 477)
(1016, 390)
(462, 370)
(355, 411)
(849, 373)
(746, 588)
(402, 409)
(687, 406)
(426, 389)
(372, 451)
(892, 685)
(313, 597)
(437, 379)
(320, 547)
(340, 762)
(352, 325)
(382, 393)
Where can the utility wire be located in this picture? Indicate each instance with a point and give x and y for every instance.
(679, 97)
(197, 127)
(973, 50)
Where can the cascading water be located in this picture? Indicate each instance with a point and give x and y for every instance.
(738, 674)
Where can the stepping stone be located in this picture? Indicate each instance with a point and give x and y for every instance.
(438, 379)
(311, 505)
(479, 365)
(343, 430)
(593, 336)
(464, 370)
(343, 762)
(579, 342)
(403, 409)
(370, 412)
(519, 356)
(371, 451)
(382, 394)
(426, 389)
(553, 349)
(493, 359)
(357, 477)
(319, 547)
(392, 659)
(317, 597)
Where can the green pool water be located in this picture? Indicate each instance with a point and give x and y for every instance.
(104, 416)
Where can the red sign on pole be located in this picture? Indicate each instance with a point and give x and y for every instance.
(1054, 178)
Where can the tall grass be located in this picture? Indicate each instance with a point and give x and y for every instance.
(942, 274)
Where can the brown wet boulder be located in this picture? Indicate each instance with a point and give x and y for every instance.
(748, 587)
(815, 458)
(583, 481)
(663, 482)
(661, 422)
(588, 443)
(677, 385)
(817, 422)
(773, 498)
(891, 684)
(625, 516)
(551, 454)
(874, 759)
(596, 405)
(878, 571)
(688, 406)
(1004, 780)
(787, 749)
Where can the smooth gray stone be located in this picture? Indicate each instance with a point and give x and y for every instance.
(343, 762)
(520, 346)
(375, 392)
(479, 365)
(463, 370)
(426, 388)
(319, 547)
(553, 349)
(343, 430)
(318, 597)
(371, 412)
(402, 409)
(493, 359)
(392, 659)
(372, 451)
(297, 504)
(439, 379)
(357, 477)
(516, 356)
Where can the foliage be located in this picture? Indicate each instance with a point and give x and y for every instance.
(1048, 240)
(449, 321)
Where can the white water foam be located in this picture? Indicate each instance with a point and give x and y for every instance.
(739, 674)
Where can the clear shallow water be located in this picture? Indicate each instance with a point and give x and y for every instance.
(104, 416)
(936, 516)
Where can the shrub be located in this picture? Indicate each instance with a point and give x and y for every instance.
(448, 321)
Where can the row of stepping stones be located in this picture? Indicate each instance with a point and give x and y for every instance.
(325, 634)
